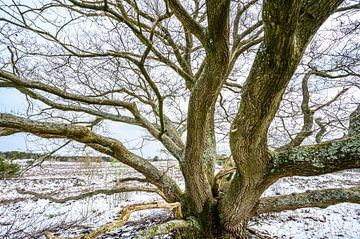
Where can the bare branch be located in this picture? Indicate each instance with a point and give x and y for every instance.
(130, 179)
(188, 22)
(308, 112)
(337, 96)
(317, 159)
(317, 198)
(39, 161)
(8, 131)
(23, 85)
(308, 115)
(322, 130)
(110, 191)
(105, 145)
(240, 10)
(56, 91)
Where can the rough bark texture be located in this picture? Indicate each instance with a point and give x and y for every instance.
(201, 105)
(212, 206)
(275, 63)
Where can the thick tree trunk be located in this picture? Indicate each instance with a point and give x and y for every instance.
(212, 229)
(209, 223)
(219, 233)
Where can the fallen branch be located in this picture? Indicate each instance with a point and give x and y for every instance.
(131, 179)
(124, 216)
(110, 191)
(12, 200)
(317, 198)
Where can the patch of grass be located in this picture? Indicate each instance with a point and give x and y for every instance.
(8, 170)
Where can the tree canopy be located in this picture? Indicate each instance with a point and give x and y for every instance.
(273, 82)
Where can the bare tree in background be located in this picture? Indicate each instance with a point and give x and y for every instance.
(251, 74)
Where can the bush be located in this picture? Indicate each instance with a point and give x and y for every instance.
(8, 170)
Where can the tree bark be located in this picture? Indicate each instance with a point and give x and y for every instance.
(275, 63)
(200, 123)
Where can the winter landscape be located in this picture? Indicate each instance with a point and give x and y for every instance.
(255, 102)
(25, 216)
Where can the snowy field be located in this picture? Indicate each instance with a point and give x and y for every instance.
(23, 216)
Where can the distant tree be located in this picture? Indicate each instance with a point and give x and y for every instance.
(19, 155)
(156, 158)
(257, 75)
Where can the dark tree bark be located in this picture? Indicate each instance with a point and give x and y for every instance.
(213, 35)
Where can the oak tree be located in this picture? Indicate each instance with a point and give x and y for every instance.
(274, 80)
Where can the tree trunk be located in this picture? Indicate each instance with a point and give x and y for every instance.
(208, 224)
(214, 231)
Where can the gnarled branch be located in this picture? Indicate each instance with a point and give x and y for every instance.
(164, 228)
(106, 145)
(123, 218)
(317, 159)
(188, 22)
(106, 191)
(317, 198)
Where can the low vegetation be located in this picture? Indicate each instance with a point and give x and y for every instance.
(8, 170)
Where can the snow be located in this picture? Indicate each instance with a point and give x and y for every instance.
(22, 216)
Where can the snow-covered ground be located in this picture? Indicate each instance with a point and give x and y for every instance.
(23, 216)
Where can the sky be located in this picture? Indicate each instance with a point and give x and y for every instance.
(11, 101)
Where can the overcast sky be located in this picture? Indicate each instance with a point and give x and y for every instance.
(11, 101)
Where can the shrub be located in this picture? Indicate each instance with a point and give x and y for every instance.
(8, 170)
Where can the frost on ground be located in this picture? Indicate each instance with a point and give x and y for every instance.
(23, 216)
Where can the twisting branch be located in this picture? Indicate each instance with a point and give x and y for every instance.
(318, 159)
(317, 198)
(6, 76)
(308, 115)
(147, 76)
(322, 130)
(109, 191)
(308, 112)
(124, 215)
(130, 179)
(188, 22)
(327, 157)
(174, 144)
(103, 144)
(8, 131)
